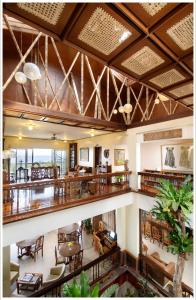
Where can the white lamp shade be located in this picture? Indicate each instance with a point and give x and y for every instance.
(157, 101)
(128, 108)
(163, 97)
(115, 111)
(121, 109)
(32, 71)
(20, 77)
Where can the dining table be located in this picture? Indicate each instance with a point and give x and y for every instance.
(69, 249)
(26, 245)
(69, 228)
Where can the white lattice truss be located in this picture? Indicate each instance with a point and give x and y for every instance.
(102, 110)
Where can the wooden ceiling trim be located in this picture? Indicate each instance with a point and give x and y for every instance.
(152, 36)
(42, 111)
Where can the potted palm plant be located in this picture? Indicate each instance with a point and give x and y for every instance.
(88, 226)
(174, 205)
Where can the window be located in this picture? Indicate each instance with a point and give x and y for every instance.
(45, 157)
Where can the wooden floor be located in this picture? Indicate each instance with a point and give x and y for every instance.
(28, 203)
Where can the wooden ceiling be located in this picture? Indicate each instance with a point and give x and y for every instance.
(149, 42)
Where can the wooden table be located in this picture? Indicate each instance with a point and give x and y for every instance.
(69, 229)
(32, 285)
(26, 244)
(69, 249)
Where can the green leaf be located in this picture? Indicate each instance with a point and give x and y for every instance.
(95, 291)
(85, 288)
(110, 291)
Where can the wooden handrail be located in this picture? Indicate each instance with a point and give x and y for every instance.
(61, 281)
(66, 179)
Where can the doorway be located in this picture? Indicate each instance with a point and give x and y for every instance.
(97, 155)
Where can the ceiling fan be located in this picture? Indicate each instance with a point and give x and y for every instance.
(54, 138)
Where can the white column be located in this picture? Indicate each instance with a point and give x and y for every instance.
(121, 227)
(6, 271)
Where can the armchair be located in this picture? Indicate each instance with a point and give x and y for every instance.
(14, 272)
(56, 273)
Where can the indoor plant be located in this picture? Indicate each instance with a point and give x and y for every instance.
(83, 289)
(174, 205)
(88, 225)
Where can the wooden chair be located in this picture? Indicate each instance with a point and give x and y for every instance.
(58, 259)
(76, 263)
(38, 247)
(147, 230)
(61, 238)
(156, 234)
(75, 236)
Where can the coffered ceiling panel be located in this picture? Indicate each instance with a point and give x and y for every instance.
(168, 76)
(51, 16)
(177, 31)
(102, 31)
(187, 101)
(150, 13)
(182, 91)
(188, 60)
(141, 59)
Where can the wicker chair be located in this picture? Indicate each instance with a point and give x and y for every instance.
(61, 238)
(76, 263)
(58, 259)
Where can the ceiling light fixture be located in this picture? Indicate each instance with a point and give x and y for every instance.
(128, 108)
(20, 77)
(115, 111)
(124, 36)
(20, 137)
(121, 109)
(32, 71)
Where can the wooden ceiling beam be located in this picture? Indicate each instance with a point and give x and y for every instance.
(36, 110)
(152, 36)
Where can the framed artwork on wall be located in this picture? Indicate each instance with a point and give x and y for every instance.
(177, 157)
(119, 157)
(84, 154)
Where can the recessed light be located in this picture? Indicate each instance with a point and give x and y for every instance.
(20, 137)
(30, 127)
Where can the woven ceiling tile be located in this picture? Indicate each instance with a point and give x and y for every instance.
(188, 100)
(168, 78)
(182, 91)
(143, 61)
(48, 12)
(182, 32)
(103, 33)
(153, 8)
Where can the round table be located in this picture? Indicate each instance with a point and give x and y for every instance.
(69, 249)
(26, 244)
(69, 229)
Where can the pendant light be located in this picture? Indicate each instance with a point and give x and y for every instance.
(128, 108)
(20, 77)
(32, 71)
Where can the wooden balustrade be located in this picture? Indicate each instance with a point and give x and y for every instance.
(24, 200)
(54, 289)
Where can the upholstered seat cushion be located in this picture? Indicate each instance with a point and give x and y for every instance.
(51, 277)
(13, 276)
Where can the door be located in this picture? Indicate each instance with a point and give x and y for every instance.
(98, 156)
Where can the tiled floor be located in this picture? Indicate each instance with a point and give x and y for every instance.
(43, 265)
(167, 257)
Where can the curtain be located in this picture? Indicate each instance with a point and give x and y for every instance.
(109, 220)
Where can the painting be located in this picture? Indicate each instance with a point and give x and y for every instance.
(177, 157)
(119, 157)
(84, 154)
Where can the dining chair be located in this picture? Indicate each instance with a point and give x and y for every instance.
(76, 263)
(75, 236)
(58, 258)
(37, 247)
(61, 238)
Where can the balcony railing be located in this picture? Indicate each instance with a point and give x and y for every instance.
(28, 199)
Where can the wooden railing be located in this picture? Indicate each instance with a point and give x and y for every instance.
(145, 263)
(28, 199)
(94, 267)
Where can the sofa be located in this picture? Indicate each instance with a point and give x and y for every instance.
(56, 273)
(155, 265)
(14, 272)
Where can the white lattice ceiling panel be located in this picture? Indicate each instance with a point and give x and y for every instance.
(143, 61)
(188, 100)
(182, 91)
(48, 12)
(153, 8)
(182, 32)
(167, 78)
(103, 32)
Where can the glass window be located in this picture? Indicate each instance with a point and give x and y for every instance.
(43, 157)
(20, 158)
(60, 160)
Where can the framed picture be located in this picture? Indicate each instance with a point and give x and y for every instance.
(119, 157)
(177, 157)
(84, 154)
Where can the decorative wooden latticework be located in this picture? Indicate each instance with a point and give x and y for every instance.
(184, 90)
(153, 8)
